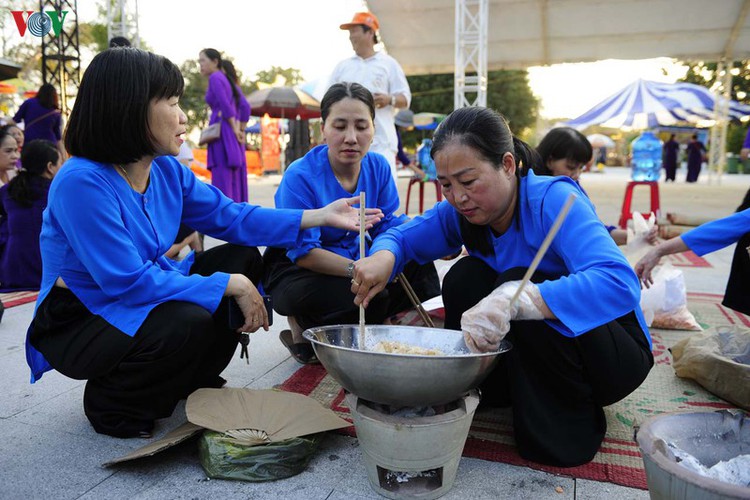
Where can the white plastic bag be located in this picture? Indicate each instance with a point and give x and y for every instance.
(664, 305)
(638, 245)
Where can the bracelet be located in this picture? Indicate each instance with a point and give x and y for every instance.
(393, 101)
(350, 270)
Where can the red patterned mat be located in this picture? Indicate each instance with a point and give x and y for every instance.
(619, 459)
(13, 299)
(688, 259)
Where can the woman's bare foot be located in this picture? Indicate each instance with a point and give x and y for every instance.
(296, 330)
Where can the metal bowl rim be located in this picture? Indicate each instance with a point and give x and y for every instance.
(505, 345)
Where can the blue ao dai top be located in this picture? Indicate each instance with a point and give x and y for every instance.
(107, 241)
(596, 283)
(310, 182)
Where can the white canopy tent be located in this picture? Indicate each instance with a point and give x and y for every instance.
(422, 36)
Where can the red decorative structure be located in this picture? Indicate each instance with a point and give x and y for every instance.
(627, 213)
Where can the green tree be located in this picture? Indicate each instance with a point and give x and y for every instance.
(703, 73)
(292, 76)
(193, 101)
(508, 92)
(93, 36)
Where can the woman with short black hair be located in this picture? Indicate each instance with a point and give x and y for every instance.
(563, 151)
(144, 330)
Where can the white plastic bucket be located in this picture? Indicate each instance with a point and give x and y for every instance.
(710, 437)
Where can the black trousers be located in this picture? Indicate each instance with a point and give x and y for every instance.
(556, 385)
(132, 381)
(316, 299)
(737, 294)
(671, 168)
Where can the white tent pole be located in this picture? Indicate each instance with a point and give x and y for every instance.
(470, 53)
(715, 142)
(723, 93)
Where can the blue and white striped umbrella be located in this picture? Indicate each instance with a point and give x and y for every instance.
(644, 104)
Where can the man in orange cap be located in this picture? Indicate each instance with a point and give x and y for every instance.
(380, 74)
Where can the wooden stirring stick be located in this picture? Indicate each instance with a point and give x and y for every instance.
(362, 256)
(543, 248)
(415, 300)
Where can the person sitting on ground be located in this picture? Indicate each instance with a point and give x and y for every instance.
(22, 202)
(569, 358)
(9, 155)
(708, 238)
(143, 330)
(18, 135)
(310, 282)
(565, 151)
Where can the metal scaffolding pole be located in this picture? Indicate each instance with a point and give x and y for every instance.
(471, 53)
(61, 55)
(122, 22)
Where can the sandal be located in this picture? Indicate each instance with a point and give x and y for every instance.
(302, 352)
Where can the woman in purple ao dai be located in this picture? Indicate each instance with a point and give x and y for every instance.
(225, 155)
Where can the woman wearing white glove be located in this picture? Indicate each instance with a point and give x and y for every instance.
(708, 238)
(578, 334)
(486, 324)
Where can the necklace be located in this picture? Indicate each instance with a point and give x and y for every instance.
(344, 182)
(127, 177)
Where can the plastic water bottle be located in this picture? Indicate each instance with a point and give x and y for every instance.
(646, 157)
(426, 162)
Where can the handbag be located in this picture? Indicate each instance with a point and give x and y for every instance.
(210, 134)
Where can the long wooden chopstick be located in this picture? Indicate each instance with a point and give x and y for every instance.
(415, 300)
(362, 256)
(544, 246)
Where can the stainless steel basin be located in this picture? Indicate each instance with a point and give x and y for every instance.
(401, 379)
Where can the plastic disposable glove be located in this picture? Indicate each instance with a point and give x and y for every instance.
(641, 238)
(486, 324)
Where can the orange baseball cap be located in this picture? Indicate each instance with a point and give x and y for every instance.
(363, 18)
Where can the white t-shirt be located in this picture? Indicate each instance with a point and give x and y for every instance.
(379, 74)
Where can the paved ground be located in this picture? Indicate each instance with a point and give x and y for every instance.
(48, 449)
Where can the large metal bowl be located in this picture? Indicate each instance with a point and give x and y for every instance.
(401, 379)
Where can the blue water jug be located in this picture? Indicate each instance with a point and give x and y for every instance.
(646, 157)
(426, 162)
